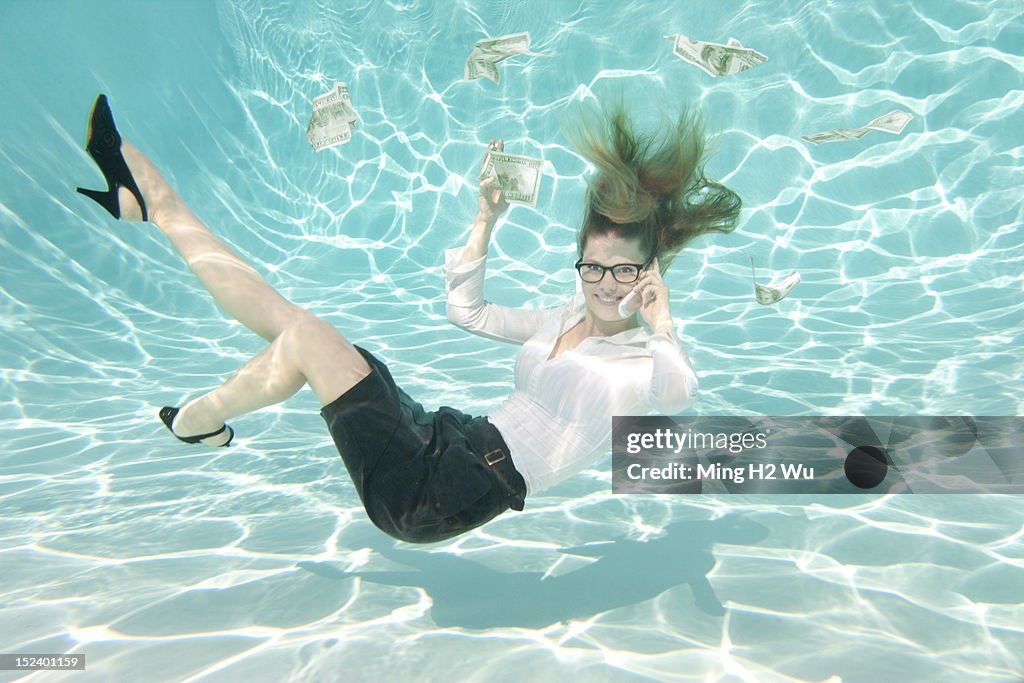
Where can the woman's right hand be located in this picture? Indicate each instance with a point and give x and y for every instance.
(491, 203)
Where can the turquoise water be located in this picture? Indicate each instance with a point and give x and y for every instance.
(168, 563)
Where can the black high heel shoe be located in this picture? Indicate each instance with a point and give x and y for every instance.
(167, 415)
(104, 146)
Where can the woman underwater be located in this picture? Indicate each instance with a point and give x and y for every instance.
(427, 476)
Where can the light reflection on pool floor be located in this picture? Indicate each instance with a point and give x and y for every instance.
(168, 563)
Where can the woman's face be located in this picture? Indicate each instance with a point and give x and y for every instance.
(603, 297)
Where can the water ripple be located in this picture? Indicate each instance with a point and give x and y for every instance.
(259, 563)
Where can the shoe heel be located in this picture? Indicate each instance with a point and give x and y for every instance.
(104, 146)
(105, 198)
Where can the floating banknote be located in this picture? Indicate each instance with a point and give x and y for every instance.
(894, 122)
(518, 177)
(333, 119)
(716, 59)
(776, 291)
(837, 135)
(487, 54)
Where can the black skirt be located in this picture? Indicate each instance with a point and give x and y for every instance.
(421, 476)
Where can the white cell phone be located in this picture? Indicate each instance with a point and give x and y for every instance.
(624, 311)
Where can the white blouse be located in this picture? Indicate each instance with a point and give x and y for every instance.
(558, 419)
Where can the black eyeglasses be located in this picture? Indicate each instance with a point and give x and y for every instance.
(626, 273)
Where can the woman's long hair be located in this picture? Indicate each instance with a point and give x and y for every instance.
(644, 190)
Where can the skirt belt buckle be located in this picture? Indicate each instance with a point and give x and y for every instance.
(494, 457)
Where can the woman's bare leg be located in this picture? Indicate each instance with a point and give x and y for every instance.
(304, 349)
(311, 350)
(235, 285)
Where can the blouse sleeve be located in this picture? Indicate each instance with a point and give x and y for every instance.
(467, 308)
(673, 384)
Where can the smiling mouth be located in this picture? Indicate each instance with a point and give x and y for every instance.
(608, 300)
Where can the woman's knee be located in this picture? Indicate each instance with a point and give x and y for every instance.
(329, 361)
(306, 334)
(284, 316)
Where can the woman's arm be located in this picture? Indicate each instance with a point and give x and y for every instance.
(464, 275)
(490, 205)
(467, 308)
(479, 239)
(673, 384)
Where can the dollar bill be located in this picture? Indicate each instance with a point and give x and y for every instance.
(350, 112)
(836, 135)
(333, 119)
(775, 292)
(481, 68)
(716, 59)
(518, 177)
(894, 122)
(488, 53)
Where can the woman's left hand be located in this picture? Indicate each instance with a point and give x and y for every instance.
(653, 296)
